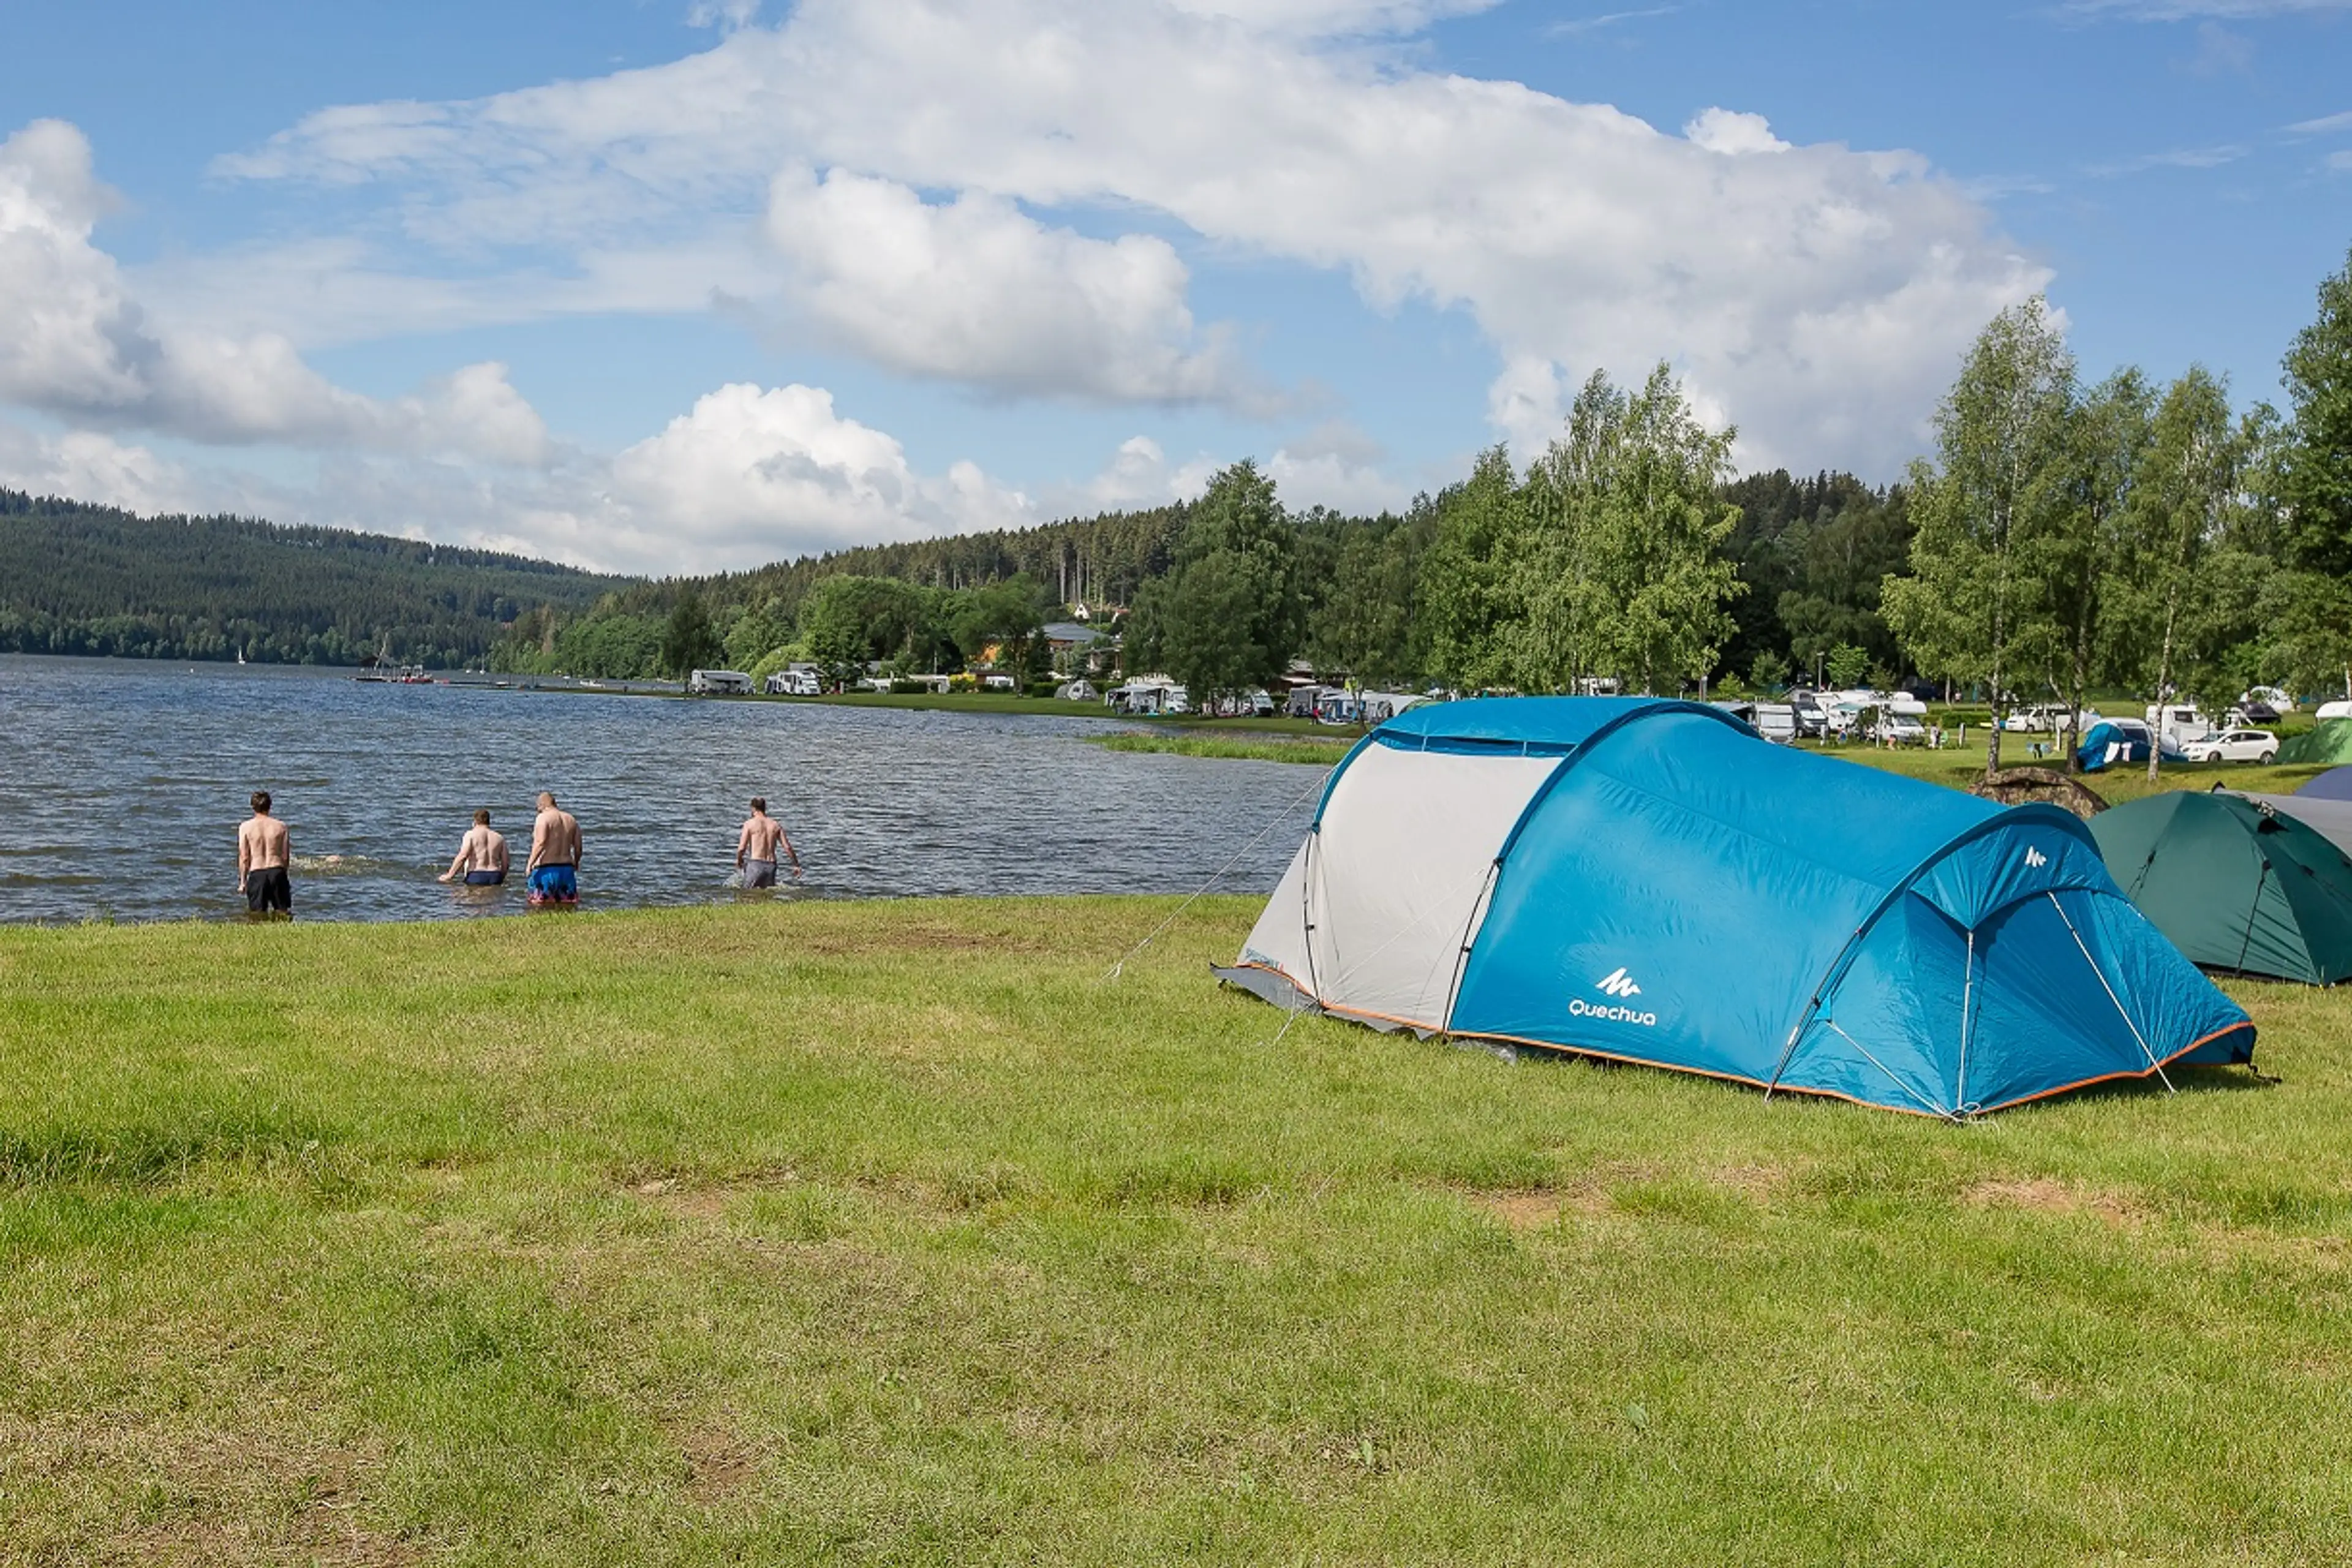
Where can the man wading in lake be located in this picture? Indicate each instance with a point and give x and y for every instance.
(554, 853)
(481, 855)
(755, 847)
(263, 853)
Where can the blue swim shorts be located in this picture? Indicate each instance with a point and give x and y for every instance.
(554, 885)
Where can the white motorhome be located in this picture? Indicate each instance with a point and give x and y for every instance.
(2179, 722)
(718, 683)
(795, 681)
(1777, 722)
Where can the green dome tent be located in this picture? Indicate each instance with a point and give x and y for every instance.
(2330, 743)
(2234, 884)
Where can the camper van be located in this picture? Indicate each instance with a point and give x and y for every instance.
(795, 681)
(1777, 722)
(2179, 722)
(718, 683)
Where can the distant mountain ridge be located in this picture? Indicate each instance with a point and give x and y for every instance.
(81, 579)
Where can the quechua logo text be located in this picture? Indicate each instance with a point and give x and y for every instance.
(1620, 985)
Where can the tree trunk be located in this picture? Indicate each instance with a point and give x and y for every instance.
(2163, 684)
(2079, 676)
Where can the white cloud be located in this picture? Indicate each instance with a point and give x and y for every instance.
(1576, 235)
(90, 466)
(1577, 27)
(1332, 479)
(976, 291)
(2321, 126)
(75, 343)
(728, 15)
(745, 477)
(2180, 158)
(1333, 18)
(1137, 475)
(752, 475)
(1732, 133)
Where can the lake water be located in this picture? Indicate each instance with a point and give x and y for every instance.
(122, 784)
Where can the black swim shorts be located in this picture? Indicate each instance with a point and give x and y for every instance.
(267, 890)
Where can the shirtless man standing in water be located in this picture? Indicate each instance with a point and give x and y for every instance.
(554, 853)
(263, 854)
(755, 847)
(481, 855)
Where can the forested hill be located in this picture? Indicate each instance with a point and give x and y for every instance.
(78, 579)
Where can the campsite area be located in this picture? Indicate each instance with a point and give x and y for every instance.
(896, 1232)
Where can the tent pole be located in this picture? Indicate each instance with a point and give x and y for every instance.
(1831, 1024)
(1968, 995)
(2262, 881)
(1307, 908)
(1789, 1048)
(2110, 990)
(1461, 958)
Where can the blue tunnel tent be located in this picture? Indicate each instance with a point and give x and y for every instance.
(1647, 880)
(2110, 742)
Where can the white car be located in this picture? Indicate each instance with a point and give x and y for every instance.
(2235, 746)
(2034, 721)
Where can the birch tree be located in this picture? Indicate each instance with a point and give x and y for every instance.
(1621, 573)
(1974, 598)
(2187, 480)
(2106, 439)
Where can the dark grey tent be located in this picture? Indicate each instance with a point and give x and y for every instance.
(2336, 783)
(2234, 883)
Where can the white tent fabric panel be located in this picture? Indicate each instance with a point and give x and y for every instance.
(1392, 885)
(1278, 940)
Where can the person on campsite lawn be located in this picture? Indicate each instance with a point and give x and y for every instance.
(263, 854)
(481, 855)
(755, 847)
(554, 853)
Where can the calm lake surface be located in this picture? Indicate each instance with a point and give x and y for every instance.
(121, 784)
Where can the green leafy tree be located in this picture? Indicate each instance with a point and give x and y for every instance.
(1849, 666)
(1769, 672)
(1232, 612)
(2105, 444)
(2187, 480)
(2311, 605)
(759, 631)
(2316, 474)
(688, 640)
(1973, 603)
(1008, 616)
(1364, 623)
(1620, 573)
(1465, 580)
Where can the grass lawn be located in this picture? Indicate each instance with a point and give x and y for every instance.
(957, 702)
(891, 1233)
(1321, 751)
(1958, 767)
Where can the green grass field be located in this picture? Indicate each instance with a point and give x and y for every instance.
(1321, 751)
(1958, 767)
(892, 1232)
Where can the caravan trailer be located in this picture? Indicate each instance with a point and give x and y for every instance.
(2178, 724)
(718, 683)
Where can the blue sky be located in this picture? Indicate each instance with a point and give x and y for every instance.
(664, 285)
